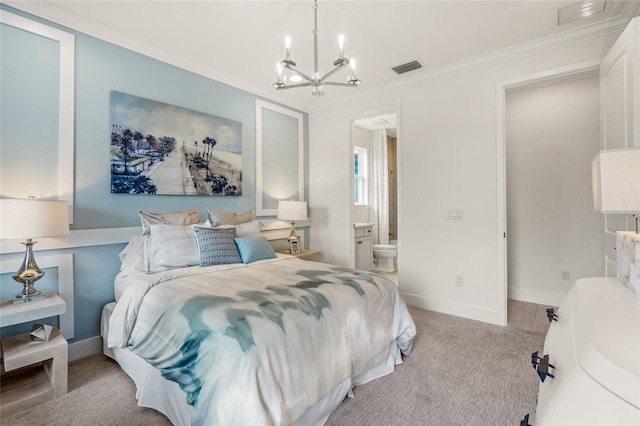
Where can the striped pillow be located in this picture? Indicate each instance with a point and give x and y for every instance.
(170, 247)
(254, 248)
(216, 246)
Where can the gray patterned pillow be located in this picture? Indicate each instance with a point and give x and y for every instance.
(217, 246)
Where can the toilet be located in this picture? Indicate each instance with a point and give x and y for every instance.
(385, 255)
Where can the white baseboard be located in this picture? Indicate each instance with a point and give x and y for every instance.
(534, 296)
(452, 308)
(90, 346)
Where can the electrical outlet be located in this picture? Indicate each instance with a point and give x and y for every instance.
(565, 275)
(460, 280)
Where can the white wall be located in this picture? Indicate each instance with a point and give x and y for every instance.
(362, 138)
(448, 160)
(552, 134)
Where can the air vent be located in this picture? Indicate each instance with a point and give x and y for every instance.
(580, 10)
(381, 122)
(409, 66)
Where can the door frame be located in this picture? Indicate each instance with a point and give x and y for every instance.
(569, 72)
(392, 109)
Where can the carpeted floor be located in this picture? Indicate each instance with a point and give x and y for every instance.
(461, 372)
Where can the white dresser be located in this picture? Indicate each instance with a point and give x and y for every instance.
(594, 348)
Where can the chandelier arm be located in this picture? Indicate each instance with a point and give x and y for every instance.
(330, 73)
(301, 74)
(293, 86)
(329, 83)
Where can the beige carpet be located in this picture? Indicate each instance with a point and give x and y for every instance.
(461, 372)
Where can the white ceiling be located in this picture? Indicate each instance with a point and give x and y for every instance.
(239, 42)
(383, 121)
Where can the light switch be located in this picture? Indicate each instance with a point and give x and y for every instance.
(454, 214)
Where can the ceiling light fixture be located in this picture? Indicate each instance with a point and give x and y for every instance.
(316, 81)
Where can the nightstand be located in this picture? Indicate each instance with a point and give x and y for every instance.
(304, 254)
(33, 371)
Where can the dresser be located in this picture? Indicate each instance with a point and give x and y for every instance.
(593, 347)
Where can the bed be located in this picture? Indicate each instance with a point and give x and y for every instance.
(277, 340)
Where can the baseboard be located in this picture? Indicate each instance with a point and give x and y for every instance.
(90, 346)
(452, 308)
(535, 296)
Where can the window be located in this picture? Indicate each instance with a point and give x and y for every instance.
(360, 189)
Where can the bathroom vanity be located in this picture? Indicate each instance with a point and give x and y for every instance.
(363, 246)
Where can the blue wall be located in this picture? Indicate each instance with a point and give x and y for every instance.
(101, 67)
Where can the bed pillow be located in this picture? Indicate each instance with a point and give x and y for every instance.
(217, 246)
(217, 217)
(254, 248)
(132, 256)
(170, 247)
(183, 217)
(249, 229)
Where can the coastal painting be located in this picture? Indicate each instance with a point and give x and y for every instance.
(157, 148)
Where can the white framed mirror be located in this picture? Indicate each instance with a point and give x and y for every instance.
(279, 157)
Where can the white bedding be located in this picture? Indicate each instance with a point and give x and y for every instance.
(263, 343)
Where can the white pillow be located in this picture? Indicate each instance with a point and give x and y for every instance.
(170, 247)
(249, 229)
(132, 256)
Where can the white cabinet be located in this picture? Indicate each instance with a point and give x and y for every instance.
(620, 91)
(619, 119)
(364, 247)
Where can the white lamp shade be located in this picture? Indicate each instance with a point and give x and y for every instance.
(616, 181)
(292, 210)
(33, 218)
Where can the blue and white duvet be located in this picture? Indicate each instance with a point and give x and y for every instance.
(260, 343)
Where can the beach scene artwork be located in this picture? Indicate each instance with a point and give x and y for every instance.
(157, 148)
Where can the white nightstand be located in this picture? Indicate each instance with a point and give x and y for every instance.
(47, 362)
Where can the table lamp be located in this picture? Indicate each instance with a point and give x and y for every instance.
(616, 190)
(616, 182)
(20, 218)
(292, 211)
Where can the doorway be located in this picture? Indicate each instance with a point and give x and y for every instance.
(366, 201)
(550, 217)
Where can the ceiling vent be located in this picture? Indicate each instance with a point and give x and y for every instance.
(381, 122)
(580, 10)
(409, 66)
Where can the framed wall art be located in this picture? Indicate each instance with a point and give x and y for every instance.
(157, 148)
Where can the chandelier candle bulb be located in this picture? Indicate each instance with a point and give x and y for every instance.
(341, 44)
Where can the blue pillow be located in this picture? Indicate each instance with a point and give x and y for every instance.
(216, 246)
(254, 248)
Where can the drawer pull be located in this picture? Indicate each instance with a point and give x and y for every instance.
(525, 421)
(551, 315)
(541, 365)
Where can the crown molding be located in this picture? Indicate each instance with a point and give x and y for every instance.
(89, 27)
(610, 26)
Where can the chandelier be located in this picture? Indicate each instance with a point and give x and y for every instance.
(315, 80)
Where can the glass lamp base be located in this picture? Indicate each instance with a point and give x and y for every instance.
(29, 299)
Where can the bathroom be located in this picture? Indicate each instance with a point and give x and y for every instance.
(375, 207)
